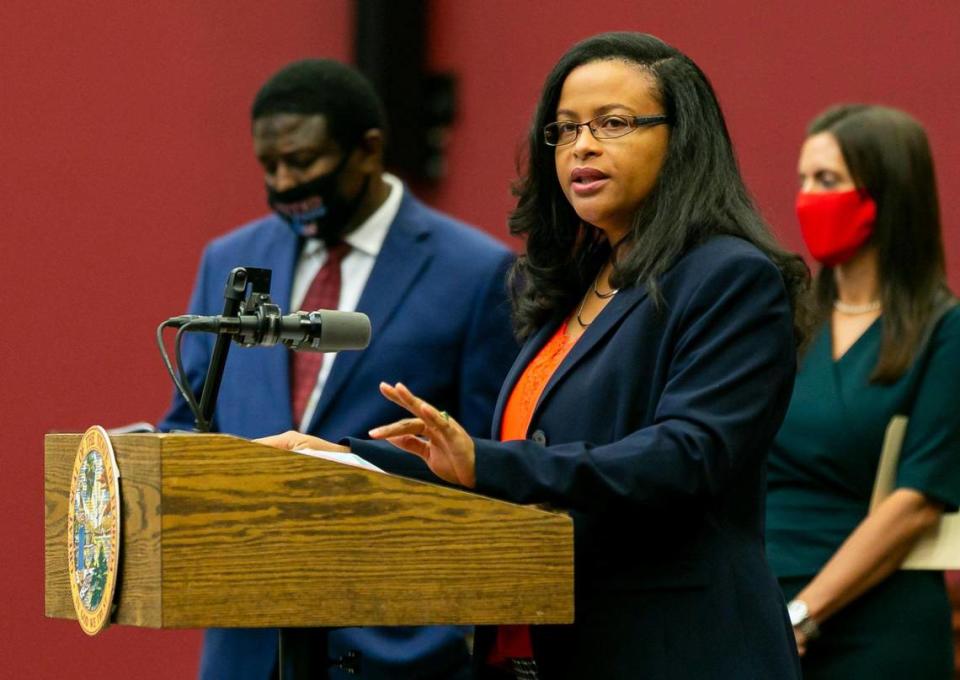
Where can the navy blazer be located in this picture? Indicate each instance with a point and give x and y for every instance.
(653, 434)
(437, 303)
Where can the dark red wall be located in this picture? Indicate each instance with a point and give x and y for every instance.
(125, 146)
(774, 65)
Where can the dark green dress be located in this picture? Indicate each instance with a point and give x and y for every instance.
(821, 472)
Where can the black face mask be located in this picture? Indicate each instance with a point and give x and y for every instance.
(315, 208)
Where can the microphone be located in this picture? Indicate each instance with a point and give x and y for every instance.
(324, 330)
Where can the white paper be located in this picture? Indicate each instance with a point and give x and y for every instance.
(338, 457)
(132, 428)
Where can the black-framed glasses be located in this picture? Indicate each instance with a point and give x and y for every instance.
(608, 126)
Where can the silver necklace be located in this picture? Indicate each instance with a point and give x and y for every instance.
(602, 296)
(853, 310)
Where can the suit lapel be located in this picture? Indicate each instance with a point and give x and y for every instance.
(608, 319)
(403, 256)
(605, 322)
(279, 254)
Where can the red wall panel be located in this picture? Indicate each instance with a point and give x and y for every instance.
(124, 136)
(774, 65)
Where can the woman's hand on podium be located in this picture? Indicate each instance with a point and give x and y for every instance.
(293, 440)
(433, 435)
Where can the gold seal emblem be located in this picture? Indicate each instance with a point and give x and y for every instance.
(93, 530)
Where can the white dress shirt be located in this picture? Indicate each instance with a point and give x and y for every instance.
(365, 242)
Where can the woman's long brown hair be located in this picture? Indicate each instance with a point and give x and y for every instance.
(888, 154)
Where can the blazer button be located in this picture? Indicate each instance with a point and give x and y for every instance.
(540, 437)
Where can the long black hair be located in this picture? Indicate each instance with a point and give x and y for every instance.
(888, 155)
(699, 193)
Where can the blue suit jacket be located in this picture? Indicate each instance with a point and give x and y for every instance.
(653, 433)
(440, 318)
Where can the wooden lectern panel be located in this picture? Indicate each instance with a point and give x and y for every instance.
(219, 531)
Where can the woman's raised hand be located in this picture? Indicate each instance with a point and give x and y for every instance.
(433, 435)
(293, 440)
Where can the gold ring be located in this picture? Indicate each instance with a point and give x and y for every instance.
(446, 416)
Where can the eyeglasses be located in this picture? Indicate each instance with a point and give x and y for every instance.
(608, 126)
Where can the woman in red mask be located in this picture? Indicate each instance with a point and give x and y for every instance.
(888, 343)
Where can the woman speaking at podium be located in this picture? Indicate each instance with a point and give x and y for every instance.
(659, 357)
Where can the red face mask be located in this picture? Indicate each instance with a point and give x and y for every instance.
(835, 224)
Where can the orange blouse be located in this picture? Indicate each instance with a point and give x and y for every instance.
(527, 391)
(513, 642)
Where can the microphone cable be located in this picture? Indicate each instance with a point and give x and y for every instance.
(179, 376)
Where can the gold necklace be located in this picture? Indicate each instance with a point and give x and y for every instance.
(580, 311)
(602, 296)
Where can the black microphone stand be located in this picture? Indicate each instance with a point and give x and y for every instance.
(234, 295)
(301, 653)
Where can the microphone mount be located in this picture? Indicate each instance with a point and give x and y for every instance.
(251, 319)
(235, 299)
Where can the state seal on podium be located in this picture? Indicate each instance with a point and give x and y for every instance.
(93, 530)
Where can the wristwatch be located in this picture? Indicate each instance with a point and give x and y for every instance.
(801, 620)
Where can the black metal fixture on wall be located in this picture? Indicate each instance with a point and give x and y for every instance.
(390, 42)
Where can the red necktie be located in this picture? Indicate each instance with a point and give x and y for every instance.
(324, 293)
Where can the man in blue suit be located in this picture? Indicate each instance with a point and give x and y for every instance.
(434, 290)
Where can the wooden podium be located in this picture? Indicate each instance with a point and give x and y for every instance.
(218, 531)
